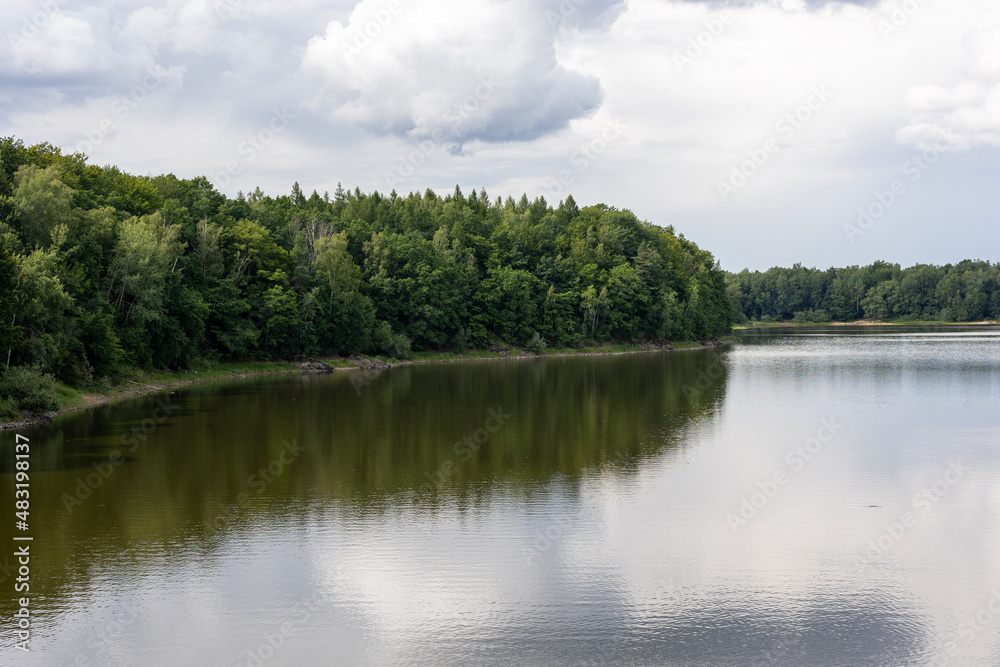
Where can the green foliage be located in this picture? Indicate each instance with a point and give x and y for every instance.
(41, 201)
(101, 344)
(33, 392)
(8, 410)
(135, 195)
(535, 344)
(10, 335)
(103, 271)
(399, 346)
(382, 336)
(804, 316)
(146, 253)
(964, 292)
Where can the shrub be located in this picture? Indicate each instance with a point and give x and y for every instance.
(821, 316)
(32, 391)
(536, 344)
(461, 343)
(8, 410)
(381, 336)
(811, 316)
(399, 347)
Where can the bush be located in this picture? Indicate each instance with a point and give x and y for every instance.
(8, 410)
(381, 336)
(811, 316)
(822, 316)
(399, 347)
(536, 344)
(32, 391)
(461, 343)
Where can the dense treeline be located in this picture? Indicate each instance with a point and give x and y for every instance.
(102, 271)
(965, 292)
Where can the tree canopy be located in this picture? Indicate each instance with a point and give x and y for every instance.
(102, 270)
(965, 292)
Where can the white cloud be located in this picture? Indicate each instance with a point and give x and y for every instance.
(433, 68)
(967, 113)
(516, 91)
(694, 112)
(62, 44)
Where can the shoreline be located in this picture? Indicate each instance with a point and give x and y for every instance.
(862, 323)
(91, 400)
(332, 365)
(612, 350)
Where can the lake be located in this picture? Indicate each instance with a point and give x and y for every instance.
(810, 496)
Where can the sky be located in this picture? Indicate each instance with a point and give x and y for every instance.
(769, 132)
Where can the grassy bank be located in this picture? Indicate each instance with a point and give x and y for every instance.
(135, 383)
(515, 353)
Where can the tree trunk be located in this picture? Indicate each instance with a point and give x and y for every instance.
(11, 348)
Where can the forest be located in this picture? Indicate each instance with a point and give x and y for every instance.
(103, 272)
(965, 292)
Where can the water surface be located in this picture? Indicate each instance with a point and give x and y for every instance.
(823, 496)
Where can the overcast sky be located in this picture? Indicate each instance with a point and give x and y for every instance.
(761, 130)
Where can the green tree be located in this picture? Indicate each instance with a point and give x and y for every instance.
(10, 334)
(147, 251)
(42, 201)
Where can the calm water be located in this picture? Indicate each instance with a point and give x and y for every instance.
(819, 497)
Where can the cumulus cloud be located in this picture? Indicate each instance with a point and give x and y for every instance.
(966, 114)
(48, 38)
(532, 91)
(53, 42)
(481, 69)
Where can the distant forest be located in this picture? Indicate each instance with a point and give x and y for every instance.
(101, 270)
(965, 292)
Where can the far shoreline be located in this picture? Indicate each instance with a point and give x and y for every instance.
(155, 381)
(863, 323)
